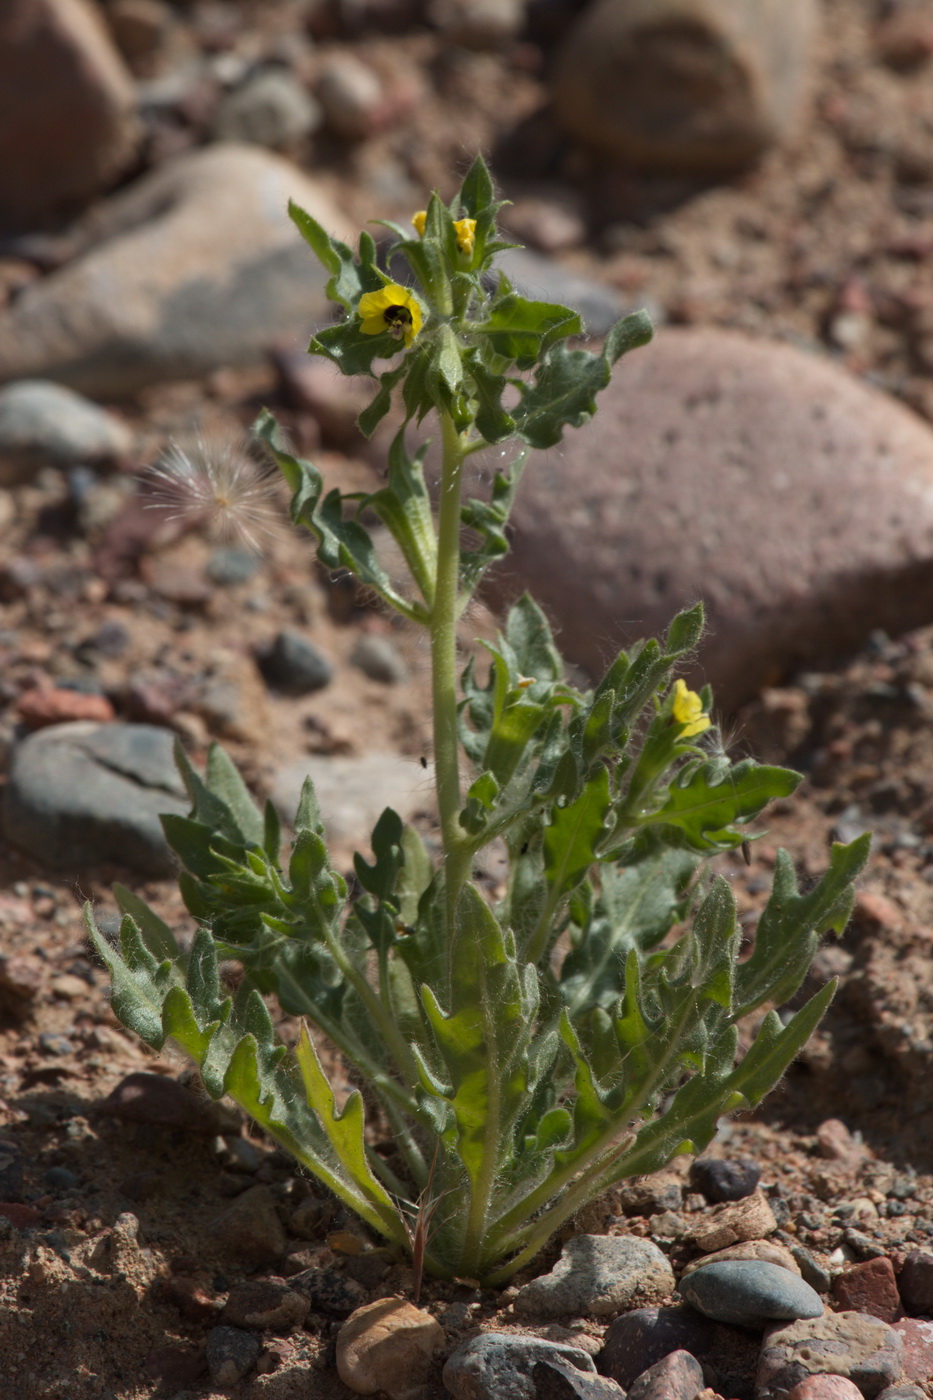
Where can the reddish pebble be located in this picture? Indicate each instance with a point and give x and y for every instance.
(869, 1288)
(677, 1377)
(42, 706)
(826, 1388)
(20, 1216)
(917, 1336)
(837, 1143)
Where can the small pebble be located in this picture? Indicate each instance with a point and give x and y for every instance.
(378, 658)
(265, 1303)
(598, 1276)
(387, 1346)
(915, 1283)
(61, 1179)
(636, 1340)
(869, 1288)
(351, 96)
(52, 1044)
(558, 1380)
(677, 1377)
(160, 1100)
(825, 1388)
(228, 565)
(749, 1293)
(329, 1290)
(295, 667)
(748, 1219)
(270, 109)
(231, 1354)
(499, 1364)
(723, 1180)
(250, 1230)
(11, 1170)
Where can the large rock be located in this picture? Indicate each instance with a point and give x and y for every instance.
(44, 424)
(68, 121)
(89, 794)
(795, 500)
(195, 266)
(688, 85)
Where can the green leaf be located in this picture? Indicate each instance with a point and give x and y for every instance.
(702, 807)
(715, 944)
(571, 840)
(374, 412)
(528, 633)
(351, 349)
(157, 936)
(223, 780)
(344, 285)
(493, 422)
(404, 506)
(520, 331)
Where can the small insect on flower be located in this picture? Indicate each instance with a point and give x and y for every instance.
(218, 482)
(466, 236)
(391, 309)
(687, 710)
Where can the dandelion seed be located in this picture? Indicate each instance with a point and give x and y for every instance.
(217, 482)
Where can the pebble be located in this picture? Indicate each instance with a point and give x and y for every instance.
(21, 977)
(272, 108)
(869, 1288)
(351, 96)
(904, 1391)
(811, 1269)
(916, 1336)
(869, 1352)
(44, 705)
(749, 1293)
(158, 296)
(82, 794)
(250, 1231)
(610, 549)
(44, 424)
(499, 1364)
(637, 1340)
(651, 1194)
(91, 98)
(720, 1179)
(387, 1346)
(265, 1303)
(161, 1101)
(765, 1250)
(620, 82)
(353, 792)
(598, 1276)
(139, 27)
(678, 1376)
(229, 566)
(11, 1170)
(557, 1380)
(915, 1282)
(379, 659)
(329, 1290)
(191, 1300)
(734, 1222)
(51, 1043)
(294, 666)
(231, 1354)
(478, 24)
(837, 1144)
(825, 1388)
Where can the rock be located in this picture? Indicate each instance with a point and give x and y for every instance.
(271, 108)
(865, 1350)
(191, 1300)
(354, 792)
(11, 1170)
(723, 1180)
(728, 488)
(556, 1380)
(154, 1098)
(231, 1354)
(598, 1276)
(825, 1388)
(637, 1340)
(499, 1364)
(139, 28)
(68, 122)
(733, 1223)
(387, 1346)
(229, 565)
(546, 279)
(44, 424)
(379, 659)
(351, 95)
(677, 1377)
(478, 24)
(904, 1391)
(685, 85)
(265, 1303)
(869, 1288)
(250, 1230)
(294, 666)
(764, 1250)
(837, 1144)
(811, 1269)
(749, 1293)
(916, 1336)
(45, 705)
(160, 295)
(915, 1283)
(83, 793)
(329, 1290)
(649, 1195)
(904, 38)
(547, 224)
(20, 982)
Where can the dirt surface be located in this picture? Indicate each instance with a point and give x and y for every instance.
(825, 242)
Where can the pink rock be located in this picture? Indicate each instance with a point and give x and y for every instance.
(837, 1143)
(47, 705)
(825, 1388)
(68, 121)
(917, 1335)
(156, 1099)
(794, 499)
(869, 1288)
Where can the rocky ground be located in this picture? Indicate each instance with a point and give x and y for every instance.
(138, 1217)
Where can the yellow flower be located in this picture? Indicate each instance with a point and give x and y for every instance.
(688, 711)
(419, 220)
(390, 309)
(466, 236)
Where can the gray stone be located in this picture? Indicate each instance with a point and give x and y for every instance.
(44, 424)
(721, 1179)
(546, 279)
(598, 1276)
(68, 121)
(271, 109)
(794, 499)
(196, 265)
(862, 1348)
(557, 1380)
(250, 1230)
(329, 1290)
(749, 1293)
(351, 94)
(500, 1364)
(229, 565)
(915, 1282)
(265, 1303)
(231, 1354)
(678, 1376)
(82, 794)
(353, 792)
(686, 85)
(379, 659)
(905, 1391)
(294, 666)
(638, 1340)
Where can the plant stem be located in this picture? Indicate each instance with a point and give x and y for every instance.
(443, 629)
